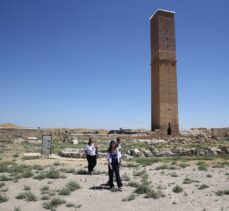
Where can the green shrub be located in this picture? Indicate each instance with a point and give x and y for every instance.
(177, 189)
(4, 178)
(40, 176)
(28, 173)
(125, 177)
(162, 167)
(133, 184)
(73, 185)
(203, 187)
(27, 187)
(203, 168)
(222, 192)
(69, 187)
(53, 203)
(188, 180)
(2, 184)
(173, 174)
(142, 189)
(27, 195)
(3, 198)
(44, 189)
(130, 197)
(153, 194)
(45, 197)
(3, 167)
(37, 167)
(64, 191)
(183, 165)
(52, 173)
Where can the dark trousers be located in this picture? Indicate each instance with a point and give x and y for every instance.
(115, 169)
(91, 162)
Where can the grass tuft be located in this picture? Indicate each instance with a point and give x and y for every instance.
(204, 186)
(3, 198)
(177, 189)
(53, 203)
(131, 197)
(27, 195)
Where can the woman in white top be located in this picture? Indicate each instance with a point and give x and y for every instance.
(114, 157)
(91, 152)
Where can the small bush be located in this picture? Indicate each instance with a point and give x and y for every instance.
(2, 184)
(40, 176)
(72, 185)
(37, 167)
(53, 203)
(177, 189)
(162, 167)
(130, 197)
(183, 165)
(142, 189)
(139, 173)
(188, 180)
(56, 163)
(69, 171)
(28, 173)
(69, 187)
(27, 195)
(3, 190)
(45, 197)
(64, 191)
(4, 178)
(52, 173)
(70, 205)
(153, 194)
(27, 187)
(3, 198)
(203, 168)
(173, 174)
(17, 209)
(44, 189)
(125, 177)
(3, 167)
(133, 184)
(222, 192)
(203, 187)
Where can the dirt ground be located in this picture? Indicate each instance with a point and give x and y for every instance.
(206, 189)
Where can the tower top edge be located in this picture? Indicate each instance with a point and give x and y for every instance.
(162, 11)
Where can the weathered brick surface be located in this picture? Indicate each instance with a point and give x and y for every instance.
(164, 105)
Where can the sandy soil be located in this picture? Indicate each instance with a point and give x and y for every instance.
(91, 197)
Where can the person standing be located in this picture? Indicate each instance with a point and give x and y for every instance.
(91, 151)
(119, 147)
(113, 157)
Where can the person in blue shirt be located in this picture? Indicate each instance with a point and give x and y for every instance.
(113, 158)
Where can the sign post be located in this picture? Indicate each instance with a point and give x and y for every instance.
(46, 144)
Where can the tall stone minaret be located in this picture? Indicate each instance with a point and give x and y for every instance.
(164, 103)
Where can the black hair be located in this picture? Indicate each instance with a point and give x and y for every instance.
(110, 146)
(89, 141)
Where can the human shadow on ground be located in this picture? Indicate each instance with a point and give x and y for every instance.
(100, 187)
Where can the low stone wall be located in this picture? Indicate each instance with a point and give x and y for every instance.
(198, 151)
(220, 132)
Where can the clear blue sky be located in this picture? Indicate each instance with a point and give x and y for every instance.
(81, 63)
